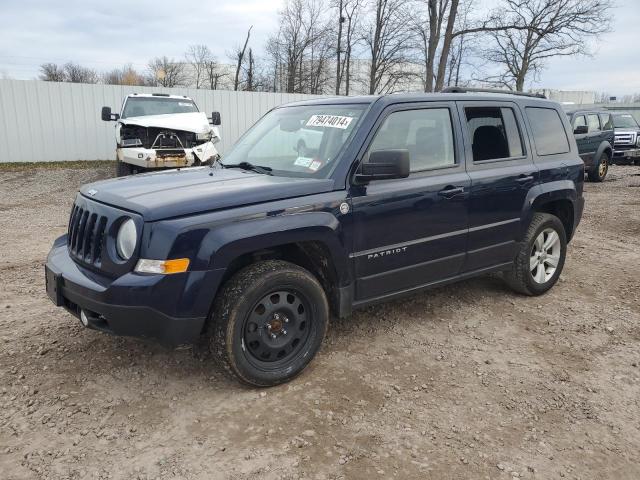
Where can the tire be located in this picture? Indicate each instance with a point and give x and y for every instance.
(636, 162)
(123, 169)
(533, 281)
(268, 322)
(599, 171)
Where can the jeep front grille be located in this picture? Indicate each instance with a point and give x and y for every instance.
(86, 235)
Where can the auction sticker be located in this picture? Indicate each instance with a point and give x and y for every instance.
(315, 165)
(333, 121)
(303, 161)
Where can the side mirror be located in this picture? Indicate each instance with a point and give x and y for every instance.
(581, 130)
(107, 116)
(215, 118)
(384, 165)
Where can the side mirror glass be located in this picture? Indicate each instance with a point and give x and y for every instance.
(215, 118)
(384, 165)
(107, 116)
(581, 130)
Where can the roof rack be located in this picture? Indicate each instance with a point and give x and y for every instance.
(160, 94)
(490, 90)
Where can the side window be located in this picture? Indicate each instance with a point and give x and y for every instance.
(607, 121)
(494, 133)
(594, 122)
(579, 121)
(548, 131)
(426, 133)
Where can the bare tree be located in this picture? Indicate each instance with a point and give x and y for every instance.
(250, 72)
(126, 75)
(302, 49)
(69, 72)
(76, 73)
(440, 25)
(51, 72)
(198, 56)
(386, 40)
(214, 73)
(349, 12)
(546, 29)
(166, 72)
(238, 56)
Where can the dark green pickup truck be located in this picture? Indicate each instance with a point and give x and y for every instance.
(594, 135)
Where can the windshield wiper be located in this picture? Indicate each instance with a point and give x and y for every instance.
(248, 166)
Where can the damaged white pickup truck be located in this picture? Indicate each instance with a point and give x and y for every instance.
(155, 131)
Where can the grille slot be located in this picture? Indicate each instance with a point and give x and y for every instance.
(86, 235)
(625, 138)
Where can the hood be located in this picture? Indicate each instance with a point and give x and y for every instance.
(195, 122)
(172, 193)
(627, 130)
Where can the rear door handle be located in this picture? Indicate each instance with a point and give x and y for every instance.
(451, 191)
(524, 178)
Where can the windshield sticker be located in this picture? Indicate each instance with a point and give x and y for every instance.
(184, 104)
(315, 165)
(303, 161)
(333, 121)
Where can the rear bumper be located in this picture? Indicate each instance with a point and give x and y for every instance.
(168, 308)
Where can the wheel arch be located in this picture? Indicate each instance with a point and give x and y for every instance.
(605, 147)
(560, 201)
(312, 241)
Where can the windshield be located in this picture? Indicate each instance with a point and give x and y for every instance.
(143, 106)
(299, 141)
(624, 121)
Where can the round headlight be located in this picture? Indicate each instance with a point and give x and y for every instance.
(126, 240)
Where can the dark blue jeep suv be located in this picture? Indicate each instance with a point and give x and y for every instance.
(386, 195)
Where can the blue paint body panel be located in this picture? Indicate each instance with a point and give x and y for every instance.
(390, 237)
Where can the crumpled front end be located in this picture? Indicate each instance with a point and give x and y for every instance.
(156, 147)
(168, 157)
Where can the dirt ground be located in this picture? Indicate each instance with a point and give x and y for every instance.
(469, 381)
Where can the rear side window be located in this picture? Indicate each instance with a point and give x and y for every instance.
(548, 131)
(426, 133)
(594, 122)
(494, 133)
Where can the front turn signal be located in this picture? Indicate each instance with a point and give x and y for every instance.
(164, 267)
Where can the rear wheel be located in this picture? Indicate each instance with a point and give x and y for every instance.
(268, 322)
(540, 260)
(599, 171)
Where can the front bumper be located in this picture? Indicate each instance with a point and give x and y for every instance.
(629, 153)
(170, 158)
(170, 308)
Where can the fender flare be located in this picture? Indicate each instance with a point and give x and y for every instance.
(601, 149)
(225, 243)
(544, 194)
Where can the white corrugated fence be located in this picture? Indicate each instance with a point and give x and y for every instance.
(51, 121)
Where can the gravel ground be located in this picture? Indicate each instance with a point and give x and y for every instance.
(469, 381)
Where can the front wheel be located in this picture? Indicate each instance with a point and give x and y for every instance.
(599, 171)
(268, 322)
(541, 257)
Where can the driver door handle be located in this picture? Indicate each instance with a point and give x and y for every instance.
(451, 191)
(524, 178)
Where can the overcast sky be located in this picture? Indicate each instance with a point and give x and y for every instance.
(106, 34)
